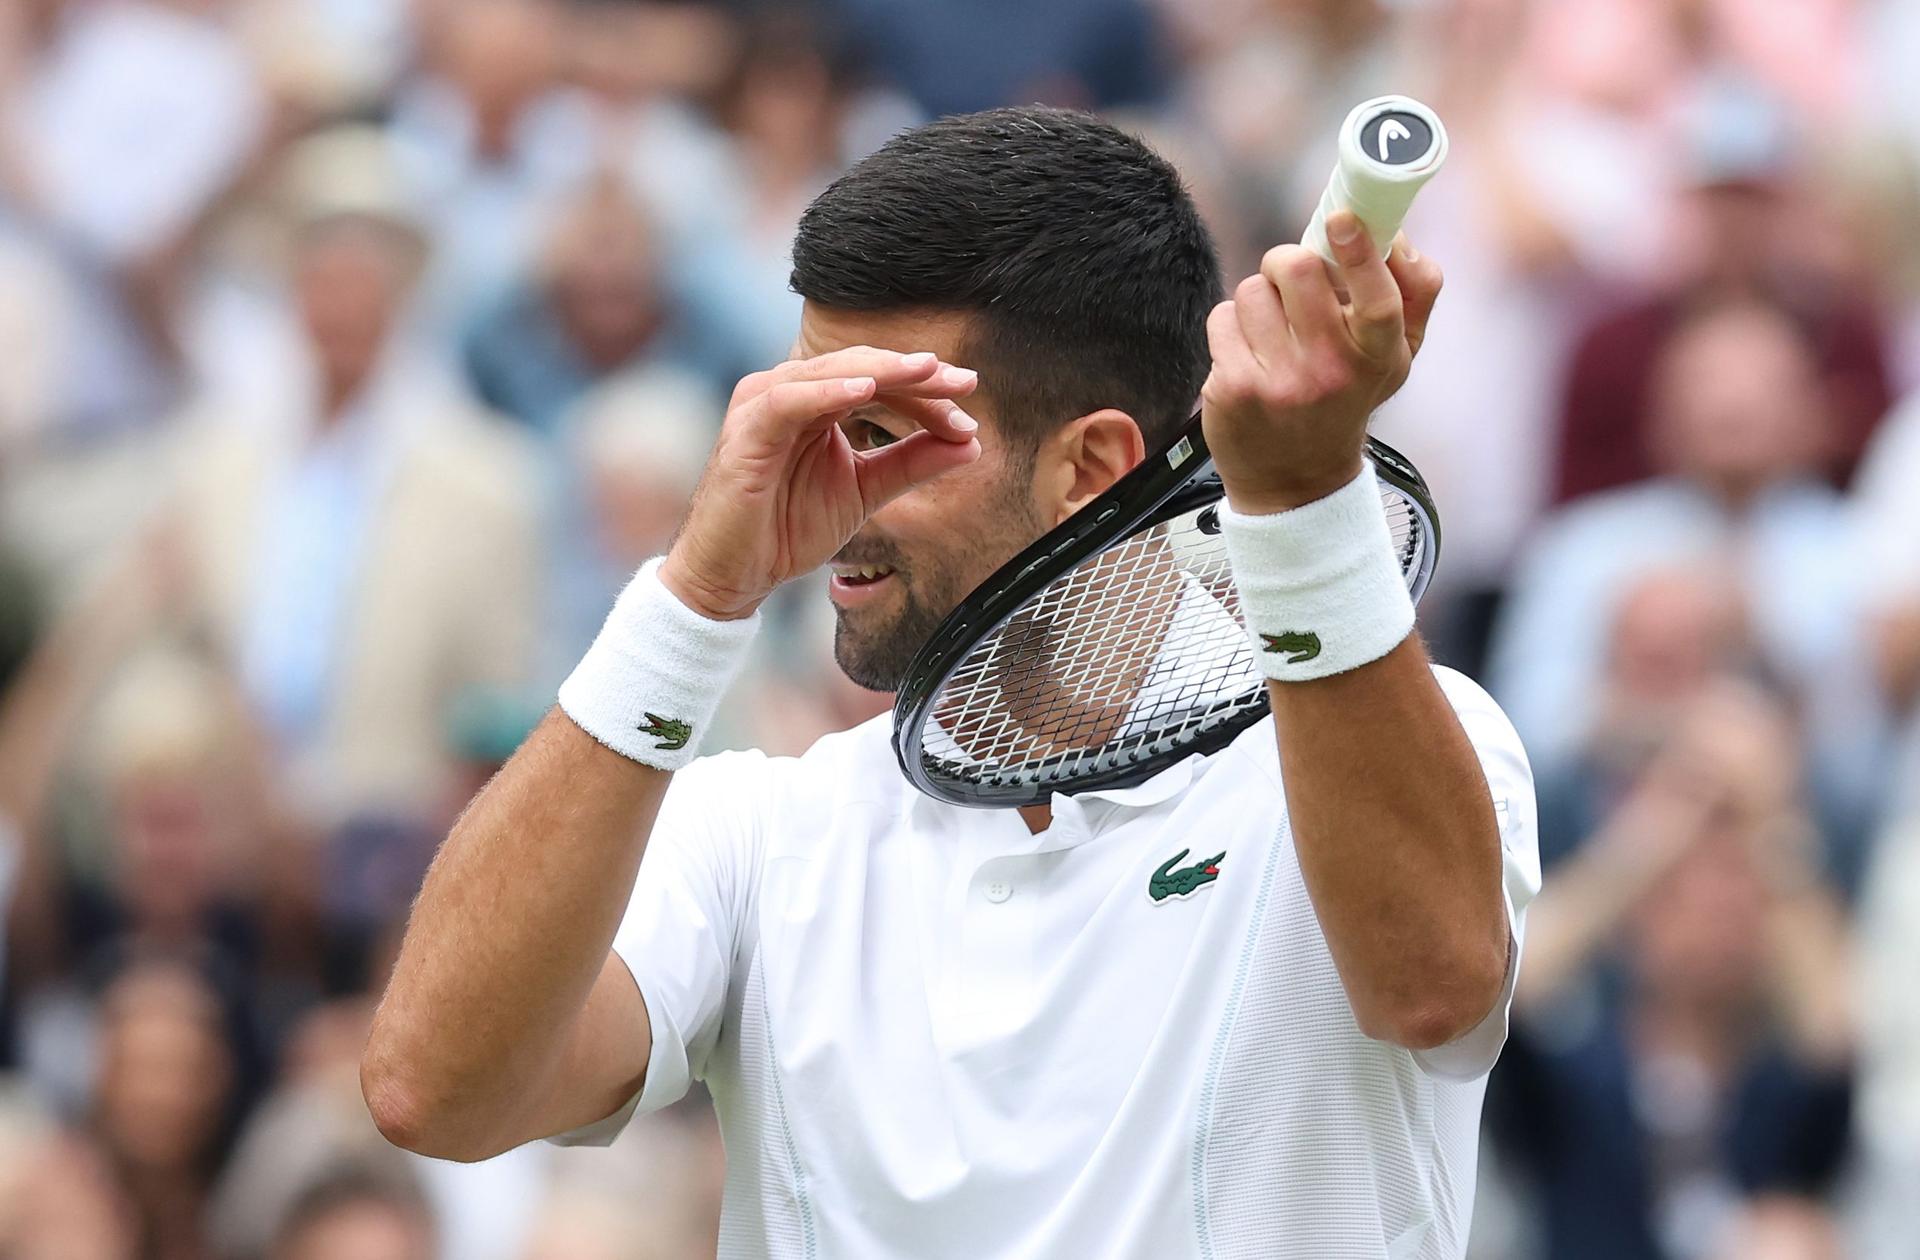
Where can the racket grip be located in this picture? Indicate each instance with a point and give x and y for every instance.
(1390, 147)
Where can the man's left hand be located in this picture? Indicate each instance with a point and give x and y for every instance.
(1302, 355)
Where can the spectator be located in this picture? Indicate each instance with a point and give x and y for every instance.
(1743, 211)
(632, 452)
(1675, 633)
(635, 449)
(1678, 1074)
(1737, 416)
(357, 1214)
(315, 1123)
(641, 56)
(135, 819)
(128, 122)
(165, 1100)
(490, 142)
(139, 114)
(952, 59)
(1272, 82)
(168, 869)
(597, 307)
(793, 111)
(364, 538)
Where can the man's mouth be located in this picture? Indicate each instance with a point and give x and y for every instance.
(853, 584)
(860, 574)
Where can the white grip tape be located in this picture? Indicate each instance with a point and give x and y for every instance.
(1377, 191)
(649, 685)
(1320, 588)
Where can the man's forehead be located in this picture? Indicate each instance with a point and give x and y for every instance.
(824, 329)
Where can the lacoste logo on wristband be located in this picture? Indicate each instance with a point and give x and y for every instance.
(672, 733)
(1299, 645)
(1167, 882)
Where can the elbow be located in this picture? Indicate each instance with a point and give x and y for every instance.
(1422, 1027)
(1438, 1013)
(403, 1116)
(399, 1119)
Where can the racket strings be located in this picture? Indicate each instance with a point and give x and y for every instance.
(1136, 651)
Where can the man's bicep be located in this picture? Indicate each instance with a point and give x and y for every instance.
(1503, 760)
(672, 962)
(603, 1066)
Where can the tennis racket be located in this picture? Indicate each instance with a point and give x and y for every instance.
(1114, 646)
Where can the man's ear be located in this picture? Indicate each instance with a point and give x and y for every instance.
(1087, 455)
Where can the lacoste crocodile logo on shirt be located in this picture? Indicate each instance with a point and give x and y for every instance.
(1167, 882)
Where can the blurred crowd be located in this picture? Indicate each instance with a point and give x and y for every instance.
(352, 353)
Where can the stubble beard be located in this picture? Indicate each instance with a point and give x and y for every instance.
(874, 653)
(876, 656)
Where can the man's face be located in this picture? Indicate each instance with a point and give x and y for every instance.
(920, 555)
(350, 281)
(1738, 401)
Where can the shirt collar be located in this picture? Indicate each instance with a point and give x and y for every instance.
(1077, 818)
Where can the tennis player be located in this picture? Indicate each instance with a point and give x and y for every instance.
(1243, 1008)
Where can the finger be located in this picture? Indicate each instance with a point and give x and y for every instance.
(891, 471)
(942, 417)
(891, 368)
(1306, 294)
(1263, 321)
(792, 408)
(1235, 369)
(949, 381)
(1373, 312)
(1420, 281)
(921, 371)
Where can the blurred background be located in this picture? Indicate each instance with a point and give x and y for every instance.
(352, 352)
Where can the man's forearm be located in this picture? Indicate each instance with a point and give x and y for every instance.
(505, 943)
(1398, 844)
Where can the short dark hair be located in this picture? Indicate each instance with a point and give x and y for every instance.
(1076, 249)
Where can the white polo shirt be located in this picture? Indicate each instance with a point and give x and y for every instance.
(932, 1034)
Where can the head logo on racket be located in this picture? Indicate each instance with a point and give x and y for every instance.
(1299, 645)
(1167, 882)
(672, 733)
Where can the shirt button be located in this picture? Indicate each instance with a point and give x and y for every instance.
(998, 891)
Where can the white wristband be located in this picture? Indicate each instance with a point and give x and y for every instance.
(649, 685)
(1319, 586)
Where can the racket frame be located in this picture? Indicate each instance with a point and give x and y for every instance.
(1176, 480)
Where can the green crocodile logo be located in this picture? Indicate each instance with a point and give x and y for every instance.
(1186, 881)
(672, 732)
(1299, 645)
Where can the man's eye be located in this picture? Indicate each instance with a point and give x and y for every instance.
(868, 436)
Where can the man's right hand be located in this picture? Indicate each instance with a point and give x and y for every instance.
(784, 490)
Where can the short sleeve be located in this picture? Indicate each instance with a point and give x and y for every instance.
(690, 910)
(1510, 780)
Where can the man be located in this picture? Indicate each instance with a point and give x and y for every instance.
(1746, 199)
(364, 536)
(933, 1031)
(1738, 421)
(594, 308)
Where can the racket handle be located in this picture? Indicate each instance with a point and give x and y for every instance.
(1389, 147)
